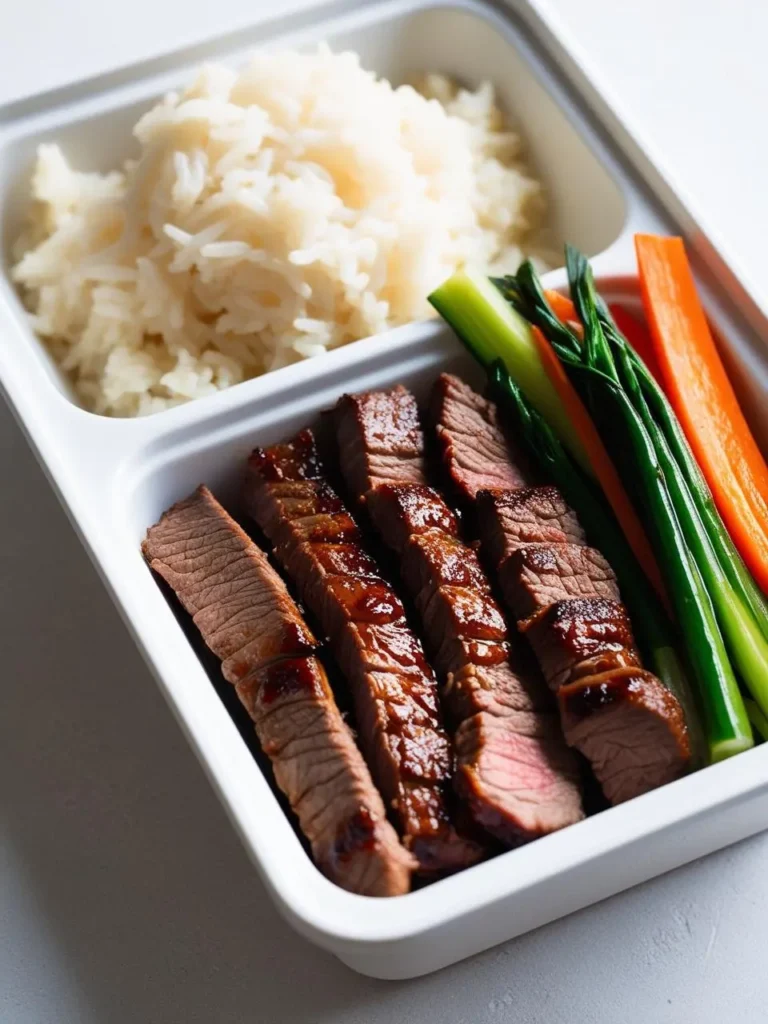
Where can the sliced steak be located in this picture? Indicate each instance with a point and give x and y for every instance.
(518, 786)
(514, 771)
(461, 612)
(474, 449)
(392, 448)
(567, 602)
(239, 604)
(576, 637)
(332, 560)
(502, 688)
(245, 615)
(630, 727)
(458, 652)
(539, 575)
(438, 559)
(386, 648)
(508, 520)
(394, 689)
(402, 511)
(340, 600)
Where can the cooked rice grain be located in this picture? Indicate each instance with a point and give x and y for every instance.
(272, 214)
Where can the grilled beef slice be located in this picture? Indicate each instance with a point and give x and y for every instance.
(515, 773)
(538, 575)
(393, 448)
(579, 636)
(629, 726)
(509, 520)
(246, 617)
(394, 690)
(473, 445)
(567, 602)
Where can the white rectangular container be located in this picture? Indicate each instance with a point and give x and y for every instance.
(115, 477)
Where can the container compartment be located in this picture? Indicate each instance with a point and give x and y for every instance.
(566, 870)
(465, 40)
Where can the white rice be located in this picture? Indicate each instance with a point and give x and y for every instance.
(273, 214)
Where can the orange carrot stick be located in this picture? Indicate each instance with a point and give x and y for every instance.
(562, 306)
(702, 396)
(604, 469)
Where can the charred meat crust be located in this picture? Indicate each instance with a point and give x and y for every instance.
(247, 617)
(578, 636)
(514, 771)
(394, 690)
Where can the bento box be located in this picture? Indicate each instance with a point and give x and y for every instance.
(115, 477)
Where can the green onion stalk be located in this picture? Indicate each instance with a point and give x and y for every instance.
(720, 632)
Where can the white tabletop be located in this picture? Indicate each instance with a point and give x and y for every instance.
(125, 896)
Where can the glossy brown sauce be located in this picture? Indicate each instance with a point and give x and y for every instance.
(422, 507)
(610, 657)
(483, 652)
(400, 645)
(294, 460)
(366, 600)
(356, 835)
(586, 696)
(287, 678)
(475, 616)
(317, 499)
(587, 624)
(452, 563)
(328, 529)
(344, 559)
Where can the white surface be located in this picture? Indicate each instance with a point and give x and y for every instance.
(105, 917)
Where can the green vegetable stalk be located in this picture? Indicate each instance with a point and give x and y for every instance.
(725, 550)
(682, 544)
(758, 719)
(747, 647)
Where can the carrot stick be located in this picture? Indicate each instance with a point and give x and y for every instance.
(603, 467)
(702, 396)
(562, 306)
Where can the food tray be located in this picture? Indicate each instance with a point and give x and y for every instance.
(115, 477)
